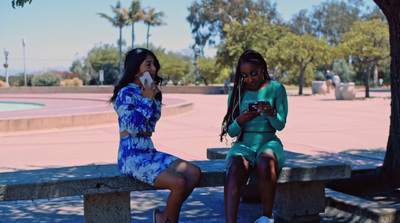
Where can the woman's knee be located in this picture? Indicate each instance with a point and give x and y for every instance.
(266, 168)
(236, 171)
(194, 174)
(179, 185)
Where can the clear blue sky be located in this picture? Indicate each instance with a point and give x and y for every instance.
(59, 31)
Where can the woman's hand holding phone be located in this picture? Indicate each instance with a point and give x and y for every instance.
(247, 116)
(264, 107)
(149, 87)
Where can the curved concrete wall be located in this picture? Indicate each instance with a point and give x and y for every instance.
(108, 89)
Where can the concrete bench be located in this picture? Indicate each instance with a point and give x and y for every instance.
(106, 191)
(300, 194)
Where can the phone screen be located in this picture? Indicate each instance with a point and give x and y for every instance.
(251, 108)
(145, 76)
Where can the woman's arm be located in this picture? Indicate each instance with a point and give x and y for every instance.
(133, 110)
(278, 122)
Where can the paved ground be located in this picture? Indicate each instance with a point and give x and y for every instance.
(353, 131)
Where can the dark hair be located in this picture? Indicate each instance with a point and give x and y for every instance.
(133, 59)
(233, 111)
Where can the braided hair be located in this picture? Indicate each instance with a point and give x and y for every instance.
(233, 111)
(133, 59)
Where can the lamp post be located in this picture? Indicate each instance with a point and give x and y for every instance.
(6, 64)
(23, 45)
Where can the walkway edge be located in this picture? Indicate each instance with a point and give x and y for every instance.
(78, 120)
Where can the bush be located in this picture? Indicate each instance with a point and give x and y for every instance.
(74, 82)
(3, 84)
(47, 79)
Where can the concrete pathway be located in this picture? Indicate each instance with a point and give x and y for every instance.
(317, 125)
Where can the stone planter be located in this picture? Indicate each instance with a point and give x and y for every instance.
(338, 91)
(318, 87)
(345, 91)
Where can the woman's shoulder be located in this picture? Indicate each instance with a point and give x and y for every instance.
(276, 85)
(131, 88)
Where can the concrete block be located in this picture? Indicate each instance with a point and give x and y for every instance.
(300, 201)
(112, 207)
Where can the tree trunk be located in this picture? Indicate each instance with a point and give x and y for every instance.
(391, 164)
(375, 82)
(367, 77)
(301, 79)
(148, 35)
(120, 51)
(133, 36)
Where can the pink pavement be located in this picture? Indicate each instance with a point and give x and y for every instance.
(316, 123)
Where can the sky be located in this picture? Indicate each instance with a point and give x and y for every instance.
(58, 32)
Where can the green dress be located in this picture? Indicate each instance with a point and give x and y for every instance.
(259, 133)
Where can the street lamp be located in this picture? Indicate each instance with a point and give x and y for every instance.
(23, 45)
(6, 64)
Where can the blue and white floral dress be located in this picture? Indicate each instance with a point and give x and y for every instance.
(137, 156)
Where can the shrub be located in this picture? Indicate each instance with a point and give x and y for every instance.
(3, 84)
(74, 82)
(47, 79)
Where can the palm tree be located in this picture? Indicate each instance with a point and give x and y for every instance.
(153, 18)
(120, 19)
(136, 14)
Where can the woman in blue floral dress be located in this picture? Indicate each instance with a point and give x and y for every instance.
(139, 108)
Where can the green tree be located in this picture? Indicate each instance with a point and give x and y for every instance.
(153, 18)
(173, 66)
(136, 14)
(333, 18)
(301, 51)
(209, 17)
(301, 23)
(120, 19)
(208, 69)
(77, 68)
(344, 69)
(100, 56)
(110, 74)
(257, 33)
(369, 42)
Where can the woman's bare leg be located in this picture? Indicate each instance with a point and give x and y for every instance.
(176, 183)
(181, 178)
(237, 170)
(266, 168)
(191, 172)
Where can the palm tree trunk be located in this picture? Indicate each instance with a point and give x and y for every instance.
(133, 36)
(120, 51)
(148, 35)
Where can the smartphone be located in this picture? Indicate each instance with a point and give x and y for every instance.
(145, 76)
(251, 108)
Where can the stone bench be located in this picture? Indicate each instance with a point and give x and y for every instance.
(106, 191)
(300, 193)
